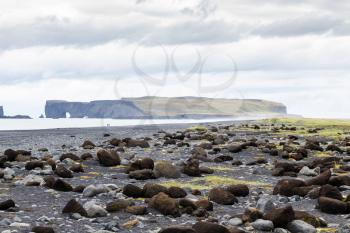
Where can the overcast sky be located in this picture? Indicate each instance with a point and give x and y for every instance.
(295, 52)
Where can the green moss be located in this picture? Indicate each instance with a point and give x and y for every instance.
(326, 230)
(198, 128)
(221, 168)
(208, 182)
(320, 154)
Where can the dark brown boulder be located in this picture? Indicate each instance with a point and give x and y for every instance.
(136, 143)
(191, 168)
(144, 174)
(165, 205)
(131, 190)
(239, 190)
(77, 168)
(322, 179)
(177, 229)
(207, 227)
(10, 155)
(34, 164)
(309, 218)
(332, 206)
(281, 217)
(176, 192)
(147, 163)
(115, 141)
(5, 205)
(331, 192)
(137, 210)
(74, 207)
(286, 187)
(88, 145)
(108, 158)
(86, 156)
(222, 196)
(43, 229)
(61, 185)
(118, 205)
(63, 172)
(339, 180)
(251, 215)
(150, 190)
(205, 204)
(69, 156)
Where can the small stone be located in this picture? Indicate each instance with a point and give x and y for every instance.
(94, 210)
(235, 222)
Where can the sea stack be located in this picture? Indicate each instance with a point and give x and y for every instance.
(1, 111)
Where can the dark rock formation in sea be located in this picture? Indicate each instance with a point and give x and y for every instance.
(2, 115)
(163, 107)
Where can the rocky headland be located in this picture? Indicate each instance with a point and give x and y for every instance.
(163, 107)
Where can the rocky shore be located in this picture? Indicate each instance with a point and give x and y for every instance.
(280, 175)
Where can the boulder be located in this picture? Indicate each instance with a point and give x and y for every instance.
(118, 205)
(177, 229)
(332, 206)
(63, 172)
(93, 190)
(298, 226)
(88, 145)
(239, 190)
(74, 207)
(286, 187)
(150, 190)
(280, 217)
(207, 227)
(165, 205)
(108, 158)
(166, 169)
(322, 179)
(222, 196)
(331, 192)
(265, 204)
(191, 168)
(176, 192)
(69, 156)
(263, 225)
(144, 174)
(137, 210)
(34, 164)
(131, 190)
(93, 210)
(5, 205)
(42, 229)
(61, 185)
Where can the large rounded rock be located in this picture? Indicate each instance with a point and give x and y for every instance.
(93, 210)
(166, 169)
(118, 205)
(88, 145)
(131, 190)
(207, 227)
(191, 168)
(5, 205)
(165, 205)
(281, 217)
(240, 190)
(108, 158)
(286, 187)
(61, 185)
(34, 164)
(263, 225)
(74, 207)
(332, 206)
(145, 174)
(340, 180)
(93, 190)
(63, 172)
(176, 192)
(322, 179)
(222, 196)
(177, 229)
(298, 226)
(69, 156)
(150, 190)
(43, 229)
(331, 192)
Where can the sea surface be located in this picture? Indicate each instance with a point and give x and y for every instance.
(43, 123)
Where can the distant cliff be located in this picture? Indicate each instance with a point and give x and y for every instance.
(162, 107)
(2, 115)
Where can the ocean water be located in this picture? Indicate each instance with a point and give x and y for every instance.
(36, 124)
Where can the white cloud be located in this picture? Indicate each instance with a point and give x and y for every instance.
(289, 51)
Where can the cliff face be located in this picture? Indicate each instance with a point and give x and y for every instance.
(1, 111)
(162, 107)
(94, 109)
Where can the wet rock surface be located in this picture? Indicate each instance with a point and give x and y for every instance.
(218, 177)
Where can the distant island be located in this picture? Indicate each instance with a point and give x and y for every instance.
(163, 107)
(2, 115)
